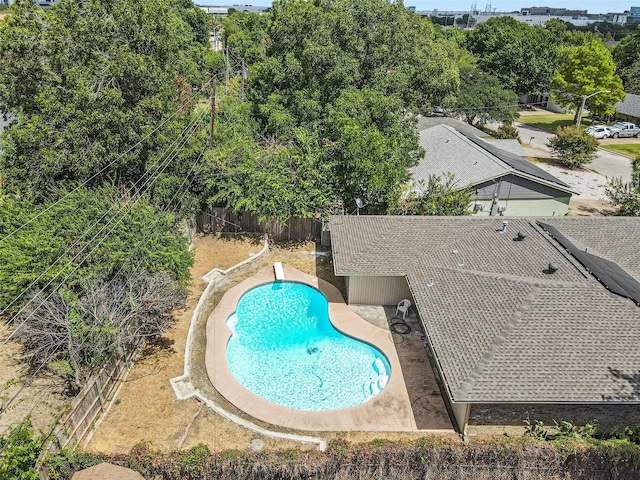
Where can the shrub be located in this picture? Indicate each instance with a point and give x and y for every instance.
(20, 450)
(573, 146)
(507, 132)
(626, 196)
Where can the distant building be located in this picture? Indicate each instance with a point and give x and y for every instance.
(503, 181)
(628, 110)
(223, 10)
(41, 3)
(556, 12)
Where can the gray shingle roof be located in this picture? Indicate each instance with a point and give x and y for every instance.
(630, 105)
(508, 145)
(472, 160)
(502, 329)
(428, 122)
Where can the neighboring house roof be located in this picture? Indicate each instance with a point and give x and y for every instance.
(629, 106)
(472, 160)
(502, 328)
(428, 122)
(508, 145)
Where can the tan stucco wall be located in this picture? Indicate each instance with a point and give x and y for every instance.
(377, 290)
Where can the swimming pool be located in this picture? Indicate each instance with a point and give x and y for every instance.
(284, 349)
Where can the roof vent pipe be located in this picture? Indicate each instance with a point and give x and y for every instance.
(504, 225)
(553, 267)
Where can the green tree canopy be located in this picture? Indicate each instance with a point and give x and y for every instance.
(87, 82)
(331, 93)
(522, 57)
(440, 196)
(627, 58)
(583, 71)
(89, 233)
(481, 99)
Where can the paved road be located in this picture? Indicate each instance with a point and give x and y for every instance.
(606, 163)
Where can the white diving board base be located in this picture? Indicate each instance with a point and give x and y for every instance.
(278, 270)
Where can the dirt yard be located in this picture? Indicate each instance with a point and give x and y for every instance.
(146, 408)
(41, 397)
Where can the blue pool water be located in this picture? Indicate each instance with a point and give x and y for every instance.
(284, 349)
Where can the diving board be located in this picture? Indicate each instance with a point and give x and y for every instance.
(278, 270)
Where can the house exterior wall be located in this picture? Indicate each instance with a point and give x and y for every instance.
(513, 187)
(521, 197)
(623, 117)
(549, 207)
(369, 290)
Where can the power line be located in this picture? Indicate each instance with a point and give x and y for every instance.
(146, 137)
(121, 217)
(122, 197)
(166, 209)
(158, 168)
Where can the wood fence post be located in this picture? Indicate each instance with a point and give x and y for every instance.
(99, 389)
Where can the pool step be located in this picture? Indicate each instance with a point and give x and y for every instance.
(375, 384)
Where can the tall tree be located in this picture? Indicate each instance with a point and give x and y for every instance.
(583, 71)
(98, 233)
(87, 81)
(627, 58)
(481, 99)
(522, 57)
(332, 102)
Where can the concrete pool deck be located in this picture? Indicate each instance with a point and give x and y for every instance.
(391, 410)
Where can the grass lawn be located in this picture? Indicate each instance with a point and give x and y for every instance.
(551, 121)
(629, 149)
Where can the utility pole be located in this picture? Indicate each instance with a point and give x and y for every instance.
(584, 99)
(213, 113)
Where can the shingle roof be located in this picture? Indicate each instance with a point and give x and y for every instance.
(428, 122)
(630, 105)
(472, 160)
(501, 327)
(508, 145)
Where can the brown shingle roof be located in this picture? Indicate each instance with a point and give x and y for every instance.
(502, 329)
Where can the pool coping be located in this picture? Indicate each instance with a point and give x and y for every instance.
(390, 410)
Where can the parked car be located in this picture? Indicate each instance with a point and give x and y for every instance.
(624, 129)
(599, 131)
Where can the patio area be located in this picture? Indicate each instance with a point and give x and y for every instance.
(411, 402)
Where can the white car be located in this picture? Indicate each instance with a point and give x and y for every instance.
(599, 131)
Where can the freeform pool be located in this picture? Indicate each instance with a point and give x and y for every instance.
(284, 349)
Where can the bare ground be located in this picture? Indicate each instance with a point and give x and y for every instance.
(590, 207)
(41, 397)
(147, 409)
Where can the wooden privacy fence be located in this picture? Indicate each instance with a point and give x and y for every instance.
(223, 220)
(86, 408)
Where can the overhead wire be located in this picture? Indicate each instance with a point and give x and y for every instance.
(110, 164)
(178, 146)
(32, 377)
(166, 209)
(118, 221)
(174, 146)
